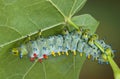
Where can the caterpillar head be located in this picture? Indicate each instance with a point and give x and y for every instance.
(15, 51)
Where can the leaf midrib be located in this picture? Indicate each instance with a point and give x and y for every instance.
(1, 46)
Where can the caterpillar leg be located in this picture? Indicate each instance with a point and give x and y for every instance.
(32, 59)
(59, 53)
(53, 53)
(81, 54)
(40, 57)
(63, 52)
(88, 56)
(67, 53)
(45, 56)
(74, 53)
(40, 60)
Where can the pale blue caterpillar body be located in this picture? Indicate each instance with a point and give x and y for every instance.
(80, 41)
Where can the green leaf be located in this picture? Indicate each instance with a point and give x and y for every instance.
(19, 18)
(86, 21)
(26, 17)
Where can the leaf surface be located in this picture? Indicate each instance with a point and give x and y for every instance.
(86, 21)
(19, 18)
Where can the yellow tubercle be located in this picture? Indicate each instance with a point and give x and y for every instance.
(91, 41)
(39, 33)
(29, 38)
(95, 36)
(79, 32)
(59, 53)
(53, 53)
(85, 35)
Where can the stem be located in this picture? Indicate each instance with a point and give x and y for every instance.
(99, 46)
(115, 68)
(73, 24)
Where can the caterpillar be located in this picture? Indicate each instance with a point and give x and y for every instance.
(77, 41)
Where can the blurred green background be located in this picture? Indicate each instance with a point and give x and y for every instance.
(107, 12)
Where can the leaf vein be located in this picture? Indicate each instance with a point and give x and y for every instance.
(14, 75)
(26, 73)
(36, 3)
(12, 29)
(78, 7)
(44, 69)
(33, 22)
(70, 14)
(53, 4)
(74, 65)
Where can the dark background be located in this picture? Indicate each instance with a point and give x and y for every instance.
(107, 12)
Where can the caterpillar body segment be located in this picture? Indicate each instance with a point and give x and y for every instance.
(58, 43)
(74, 42)
(43, 47)
(80, 46)
(51, 45)
(35, 48)
(85, 34)
(80, 41)
(67, 42)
